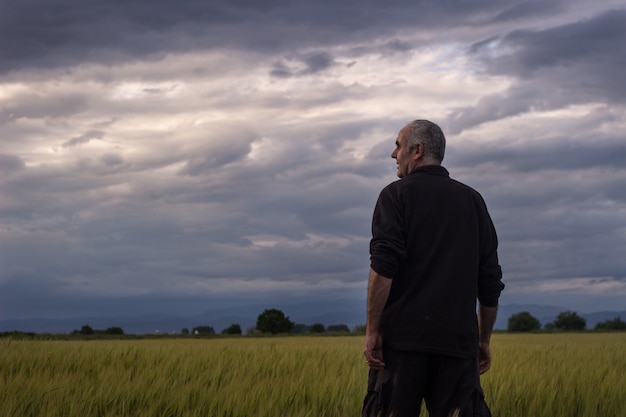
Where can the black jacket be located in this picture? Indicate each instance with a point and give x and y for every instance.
(434, 238)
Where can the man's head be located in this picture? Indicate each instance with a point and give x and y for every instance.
(419, 143)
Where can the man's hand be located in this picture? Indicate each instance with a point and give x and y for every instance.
(484, 357)
(377, 293)
(486, 320)
(373, 350)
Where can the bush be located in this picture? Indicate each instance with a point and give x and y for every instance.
(85, 330)
(523, 322)
(203, 330)
(318, 328)
(232, 329)
(616, 324)
(339, 328)
(114, 330)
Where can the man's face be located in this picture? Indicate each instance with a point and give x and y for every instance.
(401, 154)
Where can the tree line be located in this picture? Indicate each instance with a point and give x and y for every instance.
(274, 321)
(565, 320)
(88, 330)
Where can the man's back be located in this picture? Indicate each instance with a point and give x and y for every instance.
(433, 236)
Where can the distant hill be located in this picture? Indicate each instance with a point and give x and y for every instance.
(305, 313)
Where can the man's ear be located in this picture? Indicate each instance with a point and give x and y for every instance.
(418, 151)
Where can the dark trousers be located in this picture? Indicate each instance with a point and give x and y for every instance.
(450, 386)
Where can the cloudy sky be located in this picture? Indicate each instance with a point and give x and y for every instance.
(162, 156)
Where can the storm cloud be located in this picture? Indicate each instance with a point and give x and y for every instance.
(233, 150)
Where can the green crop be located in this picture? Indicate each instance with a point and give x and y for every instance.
(532, 375)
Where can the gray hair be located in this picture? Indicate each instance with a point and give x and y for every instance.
(430, 135)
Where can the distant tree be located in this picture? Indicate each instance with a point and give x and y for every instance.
(114, 330)
(616, 324)
(318, 328)
(203, 330)
(232, 329)
(184, 331)
(273, 321)
(523, 322)
(338, 328)
(86, 329)
(569, 320)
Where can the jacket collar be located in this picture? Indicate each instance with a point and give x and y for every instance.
(430, 170)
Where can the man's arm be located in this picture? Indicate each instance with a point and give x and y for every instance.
(486, 320)
(377, 294)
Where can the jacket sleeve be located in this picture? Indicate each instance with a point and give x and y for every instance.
(387, 247)
(489, 271)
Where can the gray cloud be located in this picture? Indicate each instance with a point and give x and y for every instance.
(595, 41)
(527, 9)
(233, 149)
(570, 64)
(84, 138)
(34, 106)
(10, 164)
(224, 150)
(44, 33)
(305, 65)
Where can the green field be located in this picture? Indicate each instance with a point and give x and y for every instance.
(532, 375)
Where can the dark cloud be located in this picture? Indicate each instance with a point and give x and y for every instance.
(558, 154)
(58, 33)
(596, 40)
(527, 9)
(570, 64)
(318, 61)
(230, 148)
(305, 65)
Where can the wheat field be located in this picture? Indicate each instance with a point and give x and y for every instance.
(532, 375)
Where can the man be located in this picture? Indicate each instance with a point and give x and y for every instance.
(433, 254)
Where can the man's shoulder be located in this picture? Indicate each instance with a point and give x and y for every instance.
(466, 187)
(398, 186)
